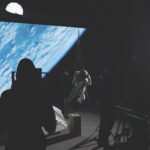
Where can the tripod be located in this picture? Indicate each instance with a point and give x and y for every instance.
(125, 133)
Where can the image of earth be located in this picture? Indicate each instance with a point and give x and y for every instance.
(45, 45)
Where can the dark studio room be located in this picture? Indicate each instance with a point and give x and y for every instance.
(74, 75)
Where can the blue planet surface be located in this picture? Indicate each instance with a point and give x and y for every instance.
(45, 45)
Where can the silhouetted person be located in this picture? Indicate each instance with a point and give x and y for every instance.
(28, 110)
(107, 108)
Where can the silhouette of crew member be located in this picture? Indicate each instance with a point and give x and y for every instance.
(28, 110)
(107, 108)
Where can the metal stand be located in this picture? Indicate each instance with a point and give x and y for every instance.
(123, 136)
(66, 108)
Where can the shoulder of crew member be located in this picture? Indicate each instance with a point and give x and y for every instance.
(6, 94)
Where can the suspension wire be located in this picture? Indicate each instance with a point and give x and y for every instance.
(79, 65)
(80, 52)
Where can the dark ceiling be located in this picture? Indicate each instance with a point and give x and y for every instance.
(71, 12)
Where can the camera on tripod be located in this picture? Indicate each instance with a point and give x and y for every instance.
(37, 75)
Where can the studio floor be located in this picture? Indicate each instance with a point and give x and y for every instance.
(90, 120)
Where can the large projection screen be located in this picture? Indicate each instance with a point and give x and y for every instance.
(45, 45)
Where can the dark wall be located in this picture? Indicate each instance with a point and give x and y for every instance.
(121, 41)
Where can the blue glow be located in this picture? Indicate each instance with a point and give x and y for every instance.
(45, 45)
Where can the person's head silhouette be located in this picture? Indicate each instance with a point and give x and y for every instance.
(25, 70)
